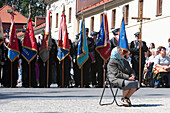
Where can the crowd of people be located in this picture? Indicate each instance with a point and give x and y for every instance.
(155, 65)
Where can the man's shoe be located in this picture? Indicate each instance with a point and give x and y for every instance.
(124, 102)
(87, 86)
(156, 86)
(142, 84)
(128, 101)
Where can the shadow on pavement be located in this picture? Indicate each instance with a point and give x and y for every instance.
(147, 105)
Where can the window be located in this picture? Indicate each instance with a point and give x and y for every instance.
(113, 18)
(69, 15)
(92, 24)
(56, 20)
(159, 7)
(126, 14)
(101, 17)
(140, 8)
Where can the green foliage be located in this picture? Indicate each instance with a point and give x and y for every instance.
(22, 6)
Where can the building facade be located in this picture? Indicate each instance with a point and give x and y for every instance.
(155, 30)
(20, 20)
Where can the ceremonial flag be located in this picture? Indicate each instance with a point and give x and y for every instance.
(44, 51)
(63, 41)
(29, 50)
(103, 44)
(123, 43)
(1, 32)
(13, 49)
(82, 51)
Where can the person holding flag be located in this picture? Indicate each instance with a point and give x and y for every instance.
(29, 53)
(134, 49)
(44, 78)
(103, 45)
(10, 74)
(83, 55)
(63, 54)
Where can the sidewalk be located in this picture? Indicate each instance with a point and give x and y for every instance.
(77, 100)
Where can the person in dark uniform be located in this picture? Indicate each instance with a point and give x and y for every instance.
(67, 68)
(134, 49)
(77, 71)
(97, 66)
(53, 64)
(6, 77)
(25, 73)
(87, 64)
(114, 42)
(42, 70)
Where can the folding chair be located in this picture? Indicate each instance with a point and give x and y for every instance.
(114, 95)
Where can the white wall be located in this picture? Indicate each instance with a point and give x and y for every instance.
(155, 30)
(57, 7)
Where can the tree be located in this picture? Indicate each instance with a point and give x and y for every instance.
(37, 7)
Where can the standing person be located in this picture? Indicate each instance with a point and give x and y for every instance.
(114, 42)
(120, 74)
(6, 77)
(53, 64)
(77, 71)
(151, 48)
(97, 66)
(134, 49)
(87, 64)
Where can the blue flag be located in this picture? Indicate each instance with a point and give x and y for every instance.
(123, 43)
(103, 43)
(82, 51)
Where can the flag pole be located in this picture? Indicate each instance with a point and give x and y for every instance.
(104, 60)
(47, 71)
(12, 14)
(29, 62)
(104, 73)
(29, 74)
(63, 73)
(63, 59)
(82, 76)
(11, 74)
(49, 53)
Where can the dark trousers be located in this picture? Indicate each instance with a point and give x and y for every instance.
(135, 67)
(25, 73)
(77, 74)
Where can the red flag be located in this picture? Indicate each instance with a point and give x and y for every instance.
(63, 41)
(29, 39)
(103, 45)
(29, 50)
(44, 52)
(13, 51)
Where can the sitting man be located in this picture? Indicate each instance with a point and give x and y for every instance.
(161, 67)
(120, 74)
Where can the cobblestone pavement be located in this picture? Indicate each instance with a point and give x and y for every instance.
(77, 100)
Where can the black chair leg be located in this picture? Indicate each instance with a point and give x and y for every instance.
(114, 96)
(100, 102)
